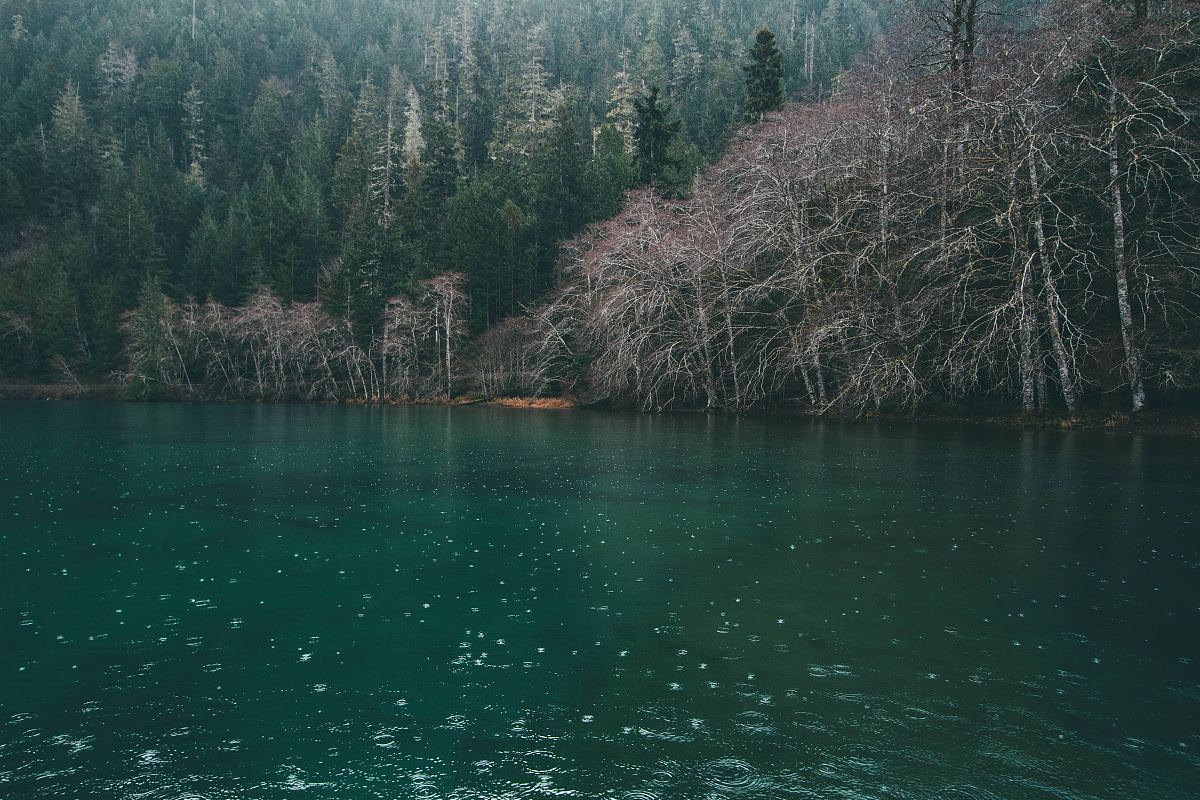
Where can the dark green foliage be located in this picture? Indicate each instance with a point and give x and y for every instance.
(12, 201)
(609, 175)
(653, 136)
(764, 77)
(560, 206)
(36, 311)
(258, 153)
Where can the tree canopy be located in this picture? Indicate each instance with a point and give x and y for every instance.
(341, 153)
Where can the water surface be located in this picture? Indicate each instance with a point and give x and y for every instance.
(261, 602)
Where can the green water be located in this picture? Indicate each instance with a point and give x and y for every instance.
(260, 602)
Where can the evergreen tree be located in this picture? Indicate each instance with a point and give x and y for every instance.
(36, 288)
(414, 139)
(12, 202)
(609, 175)
(194, 149)
(208, 255)
(621, 114)
(361, 279)
(152, 355)
(653, 136)
(437, 184)
(308, 233)
(481, 246)
(527, 110)
(116, 73)
(764, 77)
(271, 230)
(559, 185)
(127, 241)
(71, 156)
(386, 180)
(352, 173)
(268, 133)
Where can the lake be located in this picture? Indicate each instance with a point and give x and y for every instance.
(279, 601)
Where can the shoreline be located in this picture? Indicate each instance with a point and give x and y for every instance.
(1155, 422)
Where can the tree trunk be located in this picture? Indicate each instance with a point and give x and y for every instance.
(1066, 379)
(1132, 357)
(1028, 337)
(449, 312)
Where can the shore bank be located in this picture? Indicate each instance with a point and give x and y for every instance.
(1176, 423)
(59, 391)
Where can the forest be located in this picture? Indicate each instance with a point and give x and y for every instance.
(340, 153)
(846, 205)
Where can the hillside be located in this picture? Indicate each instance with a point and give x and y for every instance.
(982, 216)
(342, 153)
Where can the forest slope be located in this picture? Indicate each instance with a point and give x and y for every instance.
(342, 153)
(1008, 218)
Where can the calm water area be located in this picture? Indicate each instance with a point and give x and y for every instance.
(207, 601)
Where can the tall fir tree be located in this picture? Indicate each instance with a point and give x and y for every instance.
(653, 136)
(764, 77)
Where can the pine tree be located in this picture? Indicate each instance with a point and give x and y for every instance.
(117, 70)
(478, 244)
(271, 230)
(329, 84)
(559, 200)
(387, 167)
(208, 254)
(128, 242)
(308, 232)
(653, 137)
(414, 139)
(609, 175)
(362, 273)
(528, 108)
(621, 114)
(268, 132)
(70, 153)
(687, 67)
(153, 360)
(439, 67)
(764, 77)
(193, 134)
(352, 173)
(18, 32)
(12, 201)
(438, 182)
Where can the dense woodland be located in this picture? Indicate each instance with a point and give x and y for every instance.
(961, 202)
(343, 152)
(983, 215)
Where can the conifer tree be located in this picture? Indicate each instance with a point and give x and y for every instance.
(439, 170)
(70, 155)
(414, 139)
(12, 202)
(193, 134)
(527, 112)
(117, 70)
(653, 137)
(559, 173)
(620, 104)
(609, 174)
(387, 167)
(309, 232)
(764, 77)
(352, 174)
(268, 132)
